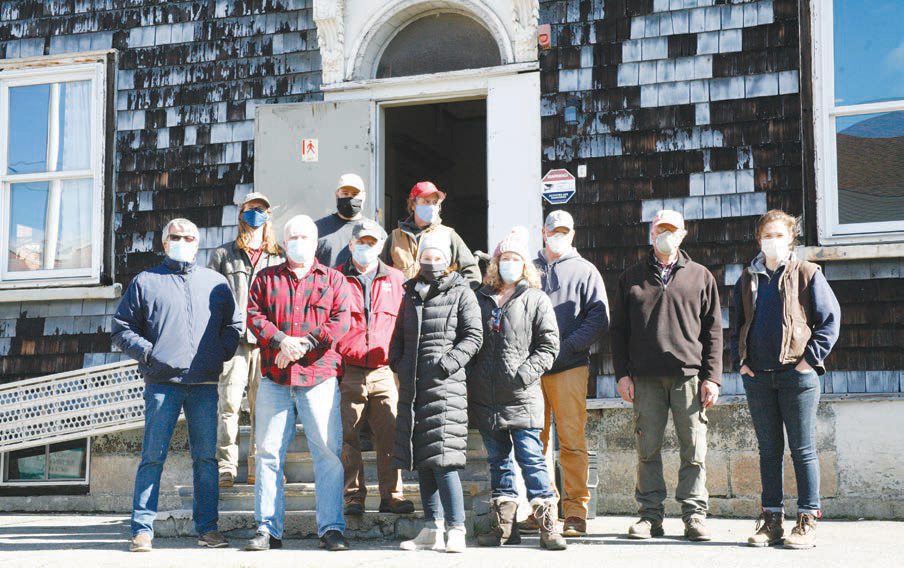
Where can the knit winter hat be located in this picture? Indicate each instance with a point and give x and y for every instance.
(516, 241)
(439, 240)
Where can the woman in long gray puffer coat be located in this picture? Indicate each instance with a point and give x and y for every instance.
(437, 333)
(520, 343)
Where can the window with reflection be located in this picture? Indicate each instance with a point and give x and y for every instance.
(51, 186)
(64, 462)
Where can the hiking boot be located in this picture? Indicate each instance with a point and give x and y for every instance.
(505, 529)
(455, 540)
(529, 525)
(227, 479)
(263, 541)
(695, 529)
(430, 538)
(546, 513)
(574, 526)
(803, 535)
(397, 506)
(769, 530)
(354, 509)
(141, 542)
(333, 541)
(645, 528)
(213, 539)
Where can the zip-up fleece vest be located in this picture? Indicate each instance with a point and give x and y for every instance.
(797, 303)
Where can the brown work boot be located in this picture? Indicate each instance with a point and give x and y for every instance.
(695, 529)
(529, 525)
(397, 506)
(546, 513)
(645, 528)
(505, 529)
(213, 539)
(769, 530)
(803, 535)
(227, 479)
(141, 542)
(574, 526)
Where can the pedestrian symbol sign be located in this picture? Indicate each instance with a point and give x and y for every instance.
(309, 150)
(557, 186)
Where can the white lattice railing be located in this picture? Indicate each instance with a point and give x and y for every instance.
(72, 405)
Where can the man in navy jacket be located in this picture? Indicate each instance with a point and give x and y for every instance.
(180, 322)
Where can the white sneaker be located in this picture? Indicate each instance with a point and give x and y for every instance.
(430, 538)
(455, 541)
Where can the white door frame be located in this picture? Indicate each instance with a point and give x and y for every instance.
(512, 93)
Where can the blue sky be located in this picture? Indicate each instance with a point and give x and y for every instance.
(869, 51)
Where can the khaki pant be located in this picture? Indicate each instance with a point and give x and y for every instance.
(372, 395)
(654, 397)
(565, 396)
(241, 372)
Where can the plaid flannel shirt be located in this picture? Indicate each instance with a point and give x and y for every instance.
(315, 307)
(665, 270)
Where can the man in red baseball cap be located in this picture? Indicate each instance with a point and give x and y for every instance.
(401, 250)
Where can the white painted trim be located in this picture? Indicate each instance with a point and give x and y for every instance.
(58, 292)
(850, 252)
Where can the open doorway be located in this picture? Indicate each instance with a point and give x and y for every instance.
(445, 143)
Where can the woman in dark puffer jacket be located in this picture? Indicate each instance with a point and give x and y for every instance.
(520, 343)
(437, 333)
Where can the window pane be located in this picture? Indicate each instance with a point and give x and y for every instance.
(75, 126)
(28, 208)
(871, 167)
(68, 460)
(26, 465)
(869, 51)
(28, 129)
(74, 245)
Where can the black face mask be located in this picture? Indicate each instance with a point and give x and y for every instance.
(349, 206)
(433, 271)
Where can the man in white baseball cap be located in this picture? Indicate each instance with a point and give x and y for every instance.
(335, 229)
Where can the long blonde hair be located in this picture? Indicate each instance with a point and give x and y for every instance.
(269, 244)
(494, 281)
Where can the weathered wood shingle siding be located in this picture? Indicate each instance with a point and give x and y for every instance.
(189, 77)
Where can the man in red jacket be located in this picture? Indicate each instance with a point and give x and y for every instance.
(369, 387)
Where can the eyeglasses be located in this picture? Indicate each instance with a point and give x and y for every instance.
(496, 320)
(186, 238)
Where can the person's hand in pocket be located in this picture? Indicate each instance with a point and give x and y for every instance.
(745, 370)
(803, 367)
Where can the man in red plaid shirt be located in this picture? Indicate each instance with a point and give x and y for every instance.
(298, 312)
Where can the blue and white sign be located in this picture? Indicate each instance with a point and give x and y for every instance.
(557, 186)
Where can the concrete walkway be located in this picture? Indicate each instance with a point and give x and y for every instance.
(89, 541)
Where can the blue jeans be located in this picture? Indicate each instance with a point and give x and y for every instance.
(441, 496)
(528, 454)
(162, 404)
(276, 411)
(786, 400)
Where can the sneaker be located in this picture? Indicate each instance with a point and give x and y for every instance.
(455, 540)
(529, 525)
(141, 542)
(645, 528)
(396, 506)
(430, 538)
(803, 535)
(333, 540)
(263, 541)
(213, 539)
(769, 531)
(695, 529)
(227, 479)
(574, 526)
(353, 509)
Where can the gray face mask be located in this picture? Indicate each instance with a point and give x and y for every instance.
(431, 271)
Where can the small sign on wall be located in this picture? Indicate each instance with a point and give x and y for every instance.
(557, 186)
(309, 150)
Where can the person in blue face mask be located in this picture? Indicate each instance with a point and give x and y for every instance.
(505, 402)
(401, 250)
(239, 261)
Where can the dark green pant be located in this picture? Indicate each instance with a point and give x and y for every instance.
(653, 398)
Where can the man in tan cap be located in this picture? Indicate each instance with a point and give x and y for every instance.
(335, 229)
(667, 353)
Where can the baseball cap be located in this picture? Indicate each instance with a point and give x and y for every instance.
(351, 180)
(669, 217)
(425, 188)
(558, 218)
(367, 228)
(254, 196)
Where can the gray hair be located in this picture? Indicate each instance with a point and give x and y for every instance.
(302, 222)
(185, 224)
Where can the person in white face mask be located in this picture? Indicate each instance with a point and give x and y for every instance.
(785, 322)
(368, 387)
(667, 354)
(240, 260)
(505, 401)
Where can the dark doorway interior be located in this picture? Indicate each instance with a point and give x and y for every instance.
(445, 143)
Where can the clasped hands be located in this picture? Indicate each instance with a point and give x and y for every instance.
(290, 350)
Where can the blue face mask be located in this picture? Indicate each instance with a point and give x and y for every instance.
(427, 213)
(365, 254)
(255, 217)
(511, 270)
(300, 251)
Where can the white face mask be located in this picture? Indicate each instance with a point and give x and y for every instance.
(558, 243)
(181, 251)
(365, 254)
(776, 249)
(301, 251)
(511, 270)
(667, 242)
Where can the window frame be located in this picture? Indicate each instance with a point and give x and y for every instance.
(96, 72)
(825, 112)
(47, 482)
